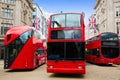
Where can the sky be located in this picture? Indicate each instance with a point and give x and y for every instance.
(56, 6)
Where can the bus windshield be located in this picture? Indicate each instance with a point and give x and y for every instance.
(109, 36)
(25, 36)
(66, 51)
(66, 20)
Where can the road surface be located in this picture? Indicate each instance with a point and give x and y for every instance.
(93, 72)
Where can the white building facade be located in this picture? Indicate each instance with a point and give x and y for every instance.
(14, 13)
(39, 13)
(108, 16)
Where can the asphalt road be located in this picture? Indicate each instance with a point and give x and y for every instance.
(93, 72)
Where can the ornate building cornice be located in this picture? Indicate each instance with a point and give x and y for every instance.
(30, 2)
(97, 3)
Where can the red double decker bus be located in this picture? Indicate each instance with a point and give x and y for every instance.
(103, 49)
(66, 44)
(23, 48)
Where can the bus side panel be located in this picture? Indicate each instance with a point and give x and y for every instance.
(90, 46)
(90, 58)
(25, 58)
(103, 60)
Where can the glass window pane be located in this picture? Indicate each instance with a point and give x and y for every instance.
(117, 11)
(25, 36)
(7, 13)
(66, 34)
(73, 20)
(66, 20)
(11, 1)
(4, 28)
(58, 21)
(109, 36)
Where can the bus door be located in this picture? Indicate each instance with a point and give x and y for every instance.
(10, 55)
(11, 52)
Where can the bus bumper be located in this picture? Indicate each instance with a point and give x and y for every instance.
(69, 71)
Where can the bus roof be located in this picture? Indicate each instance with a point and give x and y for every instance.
(67, 13)
(18, 29)
(100, 34)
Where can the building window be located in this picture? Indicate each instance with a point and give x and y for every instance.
(118, 27)
(34, 16)
(4, 1)
(117, 11)
(8, 1)
(4, 27)
(35, 9)
(7, 13)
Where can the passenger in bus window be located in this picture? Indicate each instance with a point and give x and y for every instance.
(56, 24)
(76, 35)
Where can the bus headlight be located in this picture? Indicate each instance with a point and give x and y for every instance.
(50, 66)
(80, 67)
